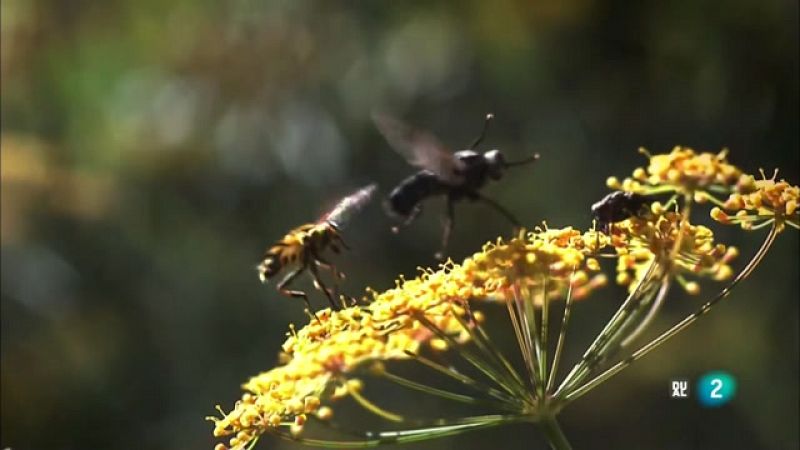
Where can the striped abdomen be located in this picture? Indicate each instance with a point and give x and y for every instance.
(298, 246)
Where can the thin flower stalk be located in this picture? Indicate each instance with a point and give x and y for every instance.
(680, 326)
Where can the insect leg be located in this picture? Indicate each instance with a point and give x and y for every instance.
(321, 286)
(336, 273)
(320, 262)
(284, 283)
(449, 222)
(408, 220)
(499, 208)
(342, 242)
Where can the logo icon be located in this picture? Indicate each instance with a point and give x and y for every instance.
(715, 389)
(679, 388)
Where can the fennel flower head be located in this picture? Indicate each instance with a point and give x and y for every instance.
(439, 313)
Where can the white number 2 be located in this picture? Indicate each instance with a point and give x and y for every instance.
(717, 383)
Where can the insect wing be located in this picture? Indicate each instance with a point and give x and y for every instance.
(344, 210)
(420, 148)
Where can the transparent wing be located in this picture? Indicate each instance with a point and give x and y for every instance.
(349, 205)
(420, 148)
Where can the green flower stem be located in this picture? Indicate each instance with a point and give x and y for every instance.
(375, 409)
(543, 376)
(678, 327)
(442, 429)
(467, 381)
(581, 370)
(552, 431)
(562, 333)
(454, 396)
(617, 332)
(515, 315)
(525, 300)
(492, 372)
(484, 345)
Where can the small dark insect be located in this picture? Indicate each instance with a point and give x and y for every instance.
(618, 206)
(302, 246)
(455, 175)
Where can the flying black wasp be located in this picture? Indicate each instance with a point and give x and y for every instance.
(618, 206)
(455, 175)
(301, 247)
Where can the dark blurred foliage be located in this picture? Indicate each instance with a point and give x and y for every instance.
(151, 150)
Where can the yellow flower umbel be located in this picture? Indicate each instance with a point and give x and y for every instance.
(555, 258)
(760, 203)
(682, 170)
(322, 358)
(337, 354)
(318, 361)
(685, 248)
(663, 235)
(280, 397)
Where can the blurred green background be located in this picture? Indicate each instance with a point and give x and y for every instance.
(151, 150)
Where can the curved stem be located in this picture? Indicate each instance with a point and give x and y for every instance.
(680, 326)
(665, 282)
(612, 328)
(375, 409)
(252, 443)
(650, 291)
(651, 314)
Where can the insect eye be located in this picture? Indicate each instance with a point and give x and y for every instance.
(495, 157)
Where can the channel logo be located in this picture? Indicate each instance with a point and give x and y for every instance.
(715, 389)
(712, 390)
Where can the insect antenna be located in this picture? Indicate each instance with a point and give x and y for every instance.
(522, 162)
(477, 141)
